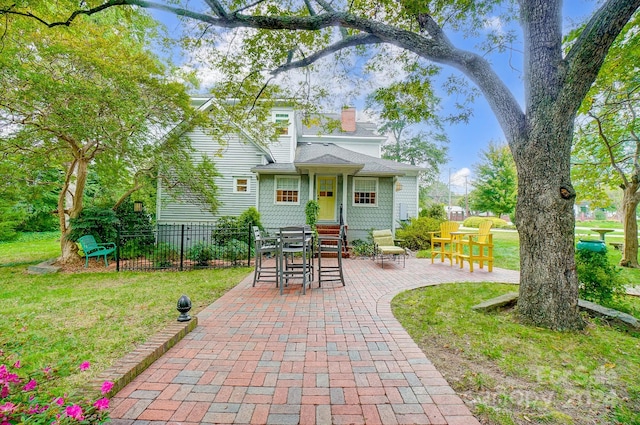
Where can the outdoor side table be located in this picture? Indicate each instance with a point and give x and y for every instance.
(602, 232)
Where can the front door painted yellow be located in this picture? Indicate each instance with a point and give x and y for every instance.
(326, 194)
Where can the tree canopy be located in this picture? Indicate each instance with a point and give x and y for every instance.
(495, 183)
(90, 96)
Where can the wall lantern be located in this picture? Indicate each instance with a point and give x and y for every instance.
(137, 206)
(398, 186)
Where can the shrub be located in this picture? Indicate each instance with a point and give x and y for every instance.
(201, 253)
(498, 223)
(164, 254)
(598, 280)
(9, 221)
(434, 211)
(236, 250)
(25, 399)
(136, 231)
(96, 221)
(415, 235)
(362, 248)
(250, 217)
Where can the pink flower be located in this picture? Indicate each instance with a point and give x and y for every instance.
(4, 391)
(47, 370)
(12, 377)
(106, 387)
(59, 401)
(17, 364)
(8, 407)
(74, 411)
(84, 365)
(102, 404)
(30, 386)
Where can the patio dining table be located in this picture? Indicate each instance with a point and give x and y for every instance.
(295, 241)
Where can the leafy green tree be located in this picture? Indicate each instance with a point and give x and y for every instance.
(401, 107)
(606, 151)
(496, 182)
(273, 37)
(91, 97)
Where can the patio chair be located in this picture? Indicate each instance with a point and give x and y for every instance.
(295, 242)
(479, 247)
(91, 248)
(384, 246)
(445, 241)
(265, 245)
(330, 246)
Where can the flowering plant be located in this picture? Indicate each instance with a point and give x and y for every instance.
(23, 401)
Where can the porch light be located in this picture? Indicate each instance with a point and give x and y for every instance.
(398, 186)
(184, 305)
(137, 206)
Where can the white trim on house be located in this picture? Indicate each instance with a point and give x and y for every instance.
(242, 184)
(375, 192)
(290, 188)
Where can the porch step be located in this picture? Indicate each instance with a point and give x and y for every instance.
(332, 230)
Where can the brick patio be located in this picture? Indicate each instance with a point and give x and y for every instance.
(333, 356)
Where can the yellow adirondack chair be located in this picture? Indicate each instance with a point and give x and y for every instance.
(445, 239)
(479, 247)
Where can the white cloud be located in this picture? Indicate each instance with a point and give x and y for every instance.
(494, 24)
(460, 177)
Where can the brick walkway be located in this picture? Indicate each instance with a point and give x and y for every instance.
(333, 356)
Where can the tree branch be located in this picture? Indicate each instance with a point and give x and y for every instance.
(356, 40)
(590, 49)
(217, 8)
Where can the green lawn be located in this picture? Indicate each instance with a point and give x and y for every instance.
(63, 319)
(518, 374)
(30, 248)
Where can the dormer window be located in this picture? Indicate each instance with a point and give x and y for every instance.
(282, 121)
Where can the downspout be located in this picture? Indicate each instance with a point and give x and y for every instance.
(257, 202)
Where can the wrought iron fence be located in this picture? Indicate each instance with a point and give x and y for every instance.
(177, 247)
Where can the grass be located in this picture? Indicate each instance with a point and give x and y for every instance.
(30, 248)
(63, 319)
(515, 374)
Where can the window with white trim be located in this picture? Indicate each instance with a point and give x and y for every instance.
(287, 190)
(241, 185)
(282, 121)
(365, 191)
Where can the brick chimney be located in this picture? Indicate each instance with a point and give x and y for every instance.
(348, 119)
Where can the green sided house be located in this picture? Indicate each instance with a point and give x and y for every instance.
(341, 169)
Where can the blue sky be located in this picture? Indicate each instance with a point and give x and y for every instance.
(468, 140)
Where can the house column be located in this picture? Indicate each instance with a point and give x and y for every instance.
(345, 196)
(312, 184)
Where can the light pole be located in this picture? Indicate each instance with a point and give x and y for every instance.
(449, 211)
(466, 198)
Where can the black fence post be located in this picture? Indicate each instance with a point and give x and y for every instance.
(118, 242)
(181, 247)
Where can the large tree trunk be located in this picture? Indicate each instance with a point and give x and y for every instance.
(546, 224)
(630, 200)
